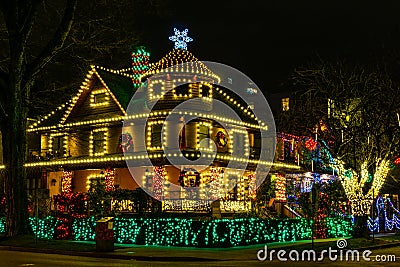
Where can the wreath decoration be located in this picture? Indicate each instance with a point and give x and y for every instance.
(222, 139)
(125, 143)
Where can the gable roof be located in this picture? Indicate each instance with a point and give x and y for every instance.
(117, 82)
(120, 86)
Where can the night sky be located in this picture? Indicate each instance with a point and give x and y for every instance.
(267, 39)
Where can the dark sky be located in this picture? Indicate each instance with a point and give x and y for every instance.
(266, 39)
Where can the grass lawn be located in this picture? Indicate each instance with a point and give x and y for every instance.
(67, 245)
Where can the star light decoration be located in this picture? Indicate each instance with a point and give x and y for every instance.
(180, 38)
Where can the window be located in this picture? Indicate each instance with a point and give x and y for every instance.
(205, 90)
(182, 90)
(285, 104)
(156, 135)
(98, 142)
(58, 145)
(157, 89)
(204, 133)
(99, 98)
(238, 145)
(94, 180)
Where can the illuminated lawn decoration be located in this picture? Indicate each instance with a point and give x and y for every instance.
(386, 212)
(353, 184)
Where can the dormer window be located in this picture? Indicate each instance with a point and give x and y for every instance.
(99, 98)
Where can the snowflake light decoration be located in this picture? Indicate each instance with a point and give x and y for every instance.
(180, 38)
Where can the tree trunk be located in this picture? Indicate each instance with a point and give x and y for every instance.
(14, 140)
(14, 151)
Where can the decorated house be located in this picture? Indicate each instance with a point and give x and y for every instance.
(118, 127)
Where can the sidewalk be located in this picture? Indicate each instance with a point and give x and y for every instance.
(187, 254)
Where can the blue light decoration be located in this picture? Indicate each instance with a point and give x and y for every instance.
(383, 208)
(181, 39)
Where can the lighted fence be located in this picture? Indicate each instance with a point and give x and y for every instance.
(194, 233)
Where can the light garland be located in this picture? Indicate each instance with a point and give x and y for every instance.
(158, 178)
(140, 64)
(109, 177)
(231, 206)
(66, 182)
(193, 233)
(180, 61)
(382, 207)
(151, 114)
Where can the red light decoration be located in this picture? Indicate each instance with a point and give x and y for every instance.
(109, 177)
(311, 144)
(397, 161)
(158, 178)
(68, 207)
(66, 182)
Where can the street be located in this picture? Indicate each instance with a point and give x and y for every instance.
(15, 258)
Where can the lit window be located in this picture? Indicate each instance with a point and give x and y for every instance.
(99, 98)
(204, 133)
(98, 142)
(156, 135)
(58, 145)
(285, 104)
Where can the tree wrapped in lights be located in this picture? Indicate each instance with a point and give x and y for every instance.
(359, 123)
